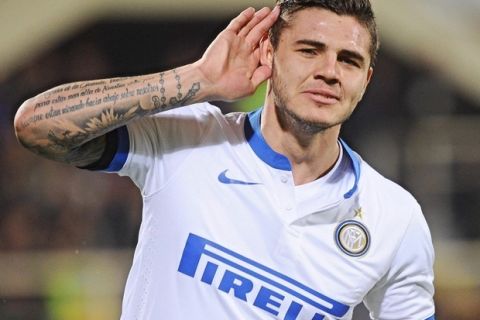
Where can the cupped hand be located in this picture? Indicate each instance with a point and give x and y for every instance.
(231, 64)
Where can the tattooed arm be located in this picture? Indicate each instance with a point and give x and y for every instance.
(68, 123)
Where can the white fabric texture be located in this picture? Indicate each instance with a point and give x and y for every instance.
(225, 235)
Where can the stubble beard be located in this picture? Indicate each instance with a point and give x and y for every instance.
(288, 118)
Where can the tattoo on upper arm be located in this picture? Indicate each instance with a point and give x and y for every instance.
(72, 142)
(88, 152)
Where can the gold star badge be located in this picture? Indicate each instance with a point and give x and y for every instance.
(359, 213)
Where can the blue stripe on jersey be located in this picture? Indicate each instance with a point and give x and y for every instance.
(276, 160)
(122, 150)
(260, 146)
(431, 318)
(356, 168)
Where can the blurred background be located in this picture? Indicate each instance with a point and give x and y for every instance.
(66, 242)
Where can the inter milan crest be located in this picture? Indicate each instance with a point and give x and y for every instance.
(353, 238)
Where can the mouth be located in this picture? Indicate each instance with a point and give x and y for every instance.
(322, 96)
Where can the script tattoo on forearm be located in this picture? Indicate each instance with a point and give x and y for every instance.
(77, 96)
(86, 101)
(104, 105)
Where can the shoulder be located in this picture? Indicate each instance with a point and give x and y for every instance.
(389, 193)
(394, 215)
(200, 112)
(200, 115)
(394, 206)
(402, 241)
(175, 125)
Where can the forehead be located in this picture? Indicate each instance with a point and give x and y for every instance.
(327, 27)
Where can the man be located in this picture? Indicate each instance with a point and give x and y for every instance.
(266, 215)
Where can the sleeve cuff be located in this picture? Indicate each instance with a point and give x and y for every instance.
(121, 154)
(115, 154)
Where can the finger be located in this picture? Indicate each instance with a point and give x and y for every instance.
(257, 32)
(261, 74)
(259, 16)
(241, 20)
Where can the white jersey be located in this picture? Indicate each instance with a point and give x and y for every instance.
(226, 234)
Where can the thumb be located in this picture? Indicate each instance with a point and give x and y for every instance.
(261, 74)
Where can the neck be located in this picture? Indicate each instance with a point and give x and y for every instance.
(311, 155)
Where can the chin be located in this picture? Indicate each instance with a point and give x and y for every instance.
(318, 116)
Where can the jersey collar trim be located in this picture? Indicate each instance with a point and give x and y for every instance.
(355, 162)
(254, 136)
(255, 139)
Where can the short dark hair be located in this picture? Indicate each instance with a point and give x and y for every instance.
(359, 9)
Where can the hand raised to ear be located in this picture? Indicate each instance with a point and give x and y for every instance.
(231, 64)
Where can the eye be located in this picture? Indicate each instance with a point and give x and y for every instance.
(308, 51)
(349, 61)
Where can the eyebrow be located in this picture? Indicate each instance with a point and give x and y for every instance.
(344, 52)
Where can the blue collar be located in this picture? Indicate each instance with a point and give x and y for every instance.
(255, 139)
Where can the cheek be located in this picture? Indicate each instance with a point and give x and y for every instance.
(286, 78)
(294, 69)
(356, 88)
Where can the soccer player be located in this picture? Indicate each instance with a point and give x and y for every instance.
(261, 215)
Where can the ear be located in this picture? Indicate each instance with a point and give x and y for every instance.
(266, 52)
(369, 75)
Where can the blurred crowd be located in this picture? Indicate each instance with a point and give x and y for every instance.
(47, 205)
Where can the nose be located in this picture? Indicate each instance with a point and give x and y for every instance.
(327, 68)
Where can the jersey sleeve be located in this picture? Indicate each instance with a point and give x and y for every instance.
(406, 291)
(150, 150)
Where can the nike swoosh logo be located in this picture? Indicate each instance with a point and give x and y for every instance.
(222, 177)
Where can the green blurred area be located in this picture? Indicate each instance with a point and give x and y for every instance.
(254, 101)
